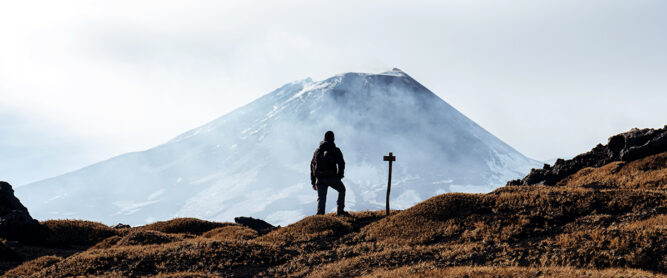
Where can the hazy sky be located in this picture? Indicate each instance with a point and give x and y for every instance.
(81, 81)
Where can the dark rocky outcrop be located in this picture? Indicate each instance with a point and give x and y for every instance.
(15, 221)
(121, 226)
(627, 146)
(259, 225)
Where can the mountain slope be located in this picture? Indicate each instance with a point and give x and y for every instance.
(603, 221)
(254, 160)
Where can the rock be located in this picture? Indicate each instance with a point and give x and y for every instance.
(121, 226)
(627, 146)
(616, 144)
(261, 226)
(655, 145)
(15, 221)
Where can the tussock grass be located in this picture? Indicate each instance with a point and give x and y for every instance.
(511, 219)
(147, 237)
(505, 215)
(107, 242)
(603, 222)
(184, 225)
(310, 229)
(187, 275)
(30, 267)
(637, 244)
(430, 221)
(77, 232)
(647, 173)
(427, 270)
(364, 263)
(231, 232)
(222, 258)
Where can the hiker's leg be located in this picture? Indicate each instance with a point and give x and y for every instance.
(321, 196)
(340, 187)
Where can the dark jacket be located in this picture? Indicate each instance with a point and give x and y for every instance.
(337, 156)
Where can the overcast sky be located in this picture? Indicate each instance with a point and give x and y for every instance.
(82, 81)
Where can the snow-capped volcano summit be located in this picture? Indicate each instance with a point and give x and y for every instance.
(254, 161)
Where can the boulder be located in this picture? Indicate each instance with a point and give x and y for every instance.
(261, 226)
(121, 226)
(15, 221)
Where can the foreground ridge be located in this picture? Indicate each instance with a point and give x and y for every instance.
(627, 146)
(604, 220)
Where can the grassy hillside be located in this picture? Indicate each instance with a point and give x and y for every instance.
(599, 222)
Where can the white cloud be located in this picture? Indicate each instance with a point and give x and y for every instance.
(127, 75)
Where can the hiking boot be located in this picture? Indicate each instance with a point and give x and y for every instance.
(342, 213)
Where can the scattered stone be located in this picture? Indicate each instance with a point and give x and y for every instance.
(121, 226)
(628, 146)
(259, 225)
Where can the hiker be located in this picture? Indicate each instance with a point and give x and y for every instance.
(326, 170)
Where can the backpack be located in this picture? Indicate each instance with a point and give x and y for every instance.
(325, 164)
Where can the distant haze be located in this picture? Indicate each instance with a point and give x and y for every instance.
(254, 160)
(82, 81)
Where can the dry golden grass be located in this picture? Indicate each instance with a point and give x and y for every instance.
(187, 275)
(107, 242)
(310, 229)
(507, 214)
(231, 232)
(428, 270)
(647, 173)
(637, 244)
(225, 258)
(604, 222)
(30, 267)
(358, 262)
(430, 221)
(139, 237)
(184, 225)
(77, 232)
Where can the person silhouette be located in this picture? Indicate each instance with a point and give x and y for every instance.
(327, 168)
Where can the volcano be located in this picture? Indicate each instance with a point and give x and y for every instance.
(254, 161)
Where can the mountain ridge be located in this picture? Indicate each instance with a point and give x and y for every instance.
(251, 158)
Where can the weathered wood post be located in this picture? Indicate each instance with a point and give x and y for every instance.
(391, 158)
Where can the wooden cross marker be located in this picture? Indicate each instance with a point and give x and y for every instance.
(391, 158)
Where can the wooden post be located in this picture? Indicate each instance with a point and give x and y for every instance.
(391, 158)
